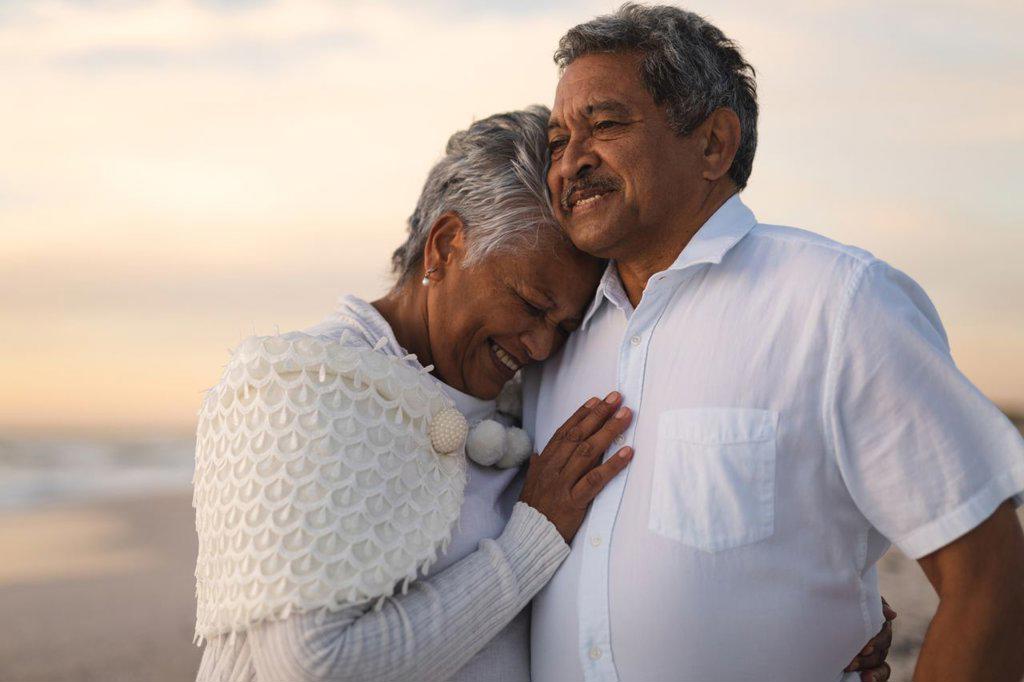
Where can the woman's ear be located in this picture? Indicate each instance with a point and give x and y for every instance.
(722, 141)
(445, 247)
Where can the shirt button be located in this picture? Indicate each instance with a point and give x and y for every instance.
(595, 540)
(620, 440)
(595, 653)
(635, 340)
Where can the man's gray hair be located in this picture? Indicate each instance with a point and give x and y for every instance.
(493, 177)
(687, 65)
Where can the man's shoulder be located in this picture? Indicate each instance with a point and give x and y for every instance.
(800, 243)
(807, 264)
(795, 254)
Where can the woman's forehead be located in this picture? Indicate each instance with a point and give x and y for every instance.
(549, 263)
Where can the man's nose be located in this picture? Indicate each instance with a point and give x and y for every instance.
(540, 341)
(578, 158)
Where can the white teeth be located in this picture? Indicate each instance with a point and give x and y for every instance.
(505, 358)
(588, 200)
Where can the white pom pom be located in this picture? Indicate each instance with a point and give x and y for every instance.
(518, 448)
(510, 398)
(486, 442)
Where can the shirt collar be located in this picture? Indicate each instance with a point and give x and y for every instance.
(722, 231)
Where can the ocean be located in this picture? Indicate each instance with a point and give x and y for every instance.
(35, 472)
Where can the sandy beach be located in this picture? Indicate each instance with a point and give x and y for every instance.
(103, 591)
(99, 591)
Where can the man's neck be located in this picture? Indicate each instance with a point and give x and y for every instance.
(656, 255)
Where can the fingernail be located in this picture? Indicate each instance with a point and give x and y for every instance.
(612, 398)
(868, 649)
(621, 413)
(590, 403)
(626, 453)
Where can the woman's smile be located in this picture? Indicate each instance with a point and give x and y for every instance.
(506, 363)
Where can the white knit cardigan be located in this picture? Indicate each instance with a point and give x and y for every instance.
(319, 491)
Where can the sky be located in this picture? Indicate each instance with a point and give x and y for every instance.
(178, 174)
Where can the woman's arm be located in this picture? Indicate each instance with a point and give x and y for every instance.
(434, 629)
(426, 634)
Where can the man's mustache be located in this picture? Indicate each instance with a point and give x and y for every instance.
(597, 183)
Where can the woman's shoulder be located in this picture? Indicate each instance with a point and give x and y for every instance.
(300, 373)
(318, 479)
(356, 322)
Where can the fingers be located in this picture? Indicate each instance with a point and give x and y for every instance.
(591, 451)
(580, 426)
(881, 640)
(879, 674)
(888, 611)
(594, 419)
(587, 488)
(576, 418)
(564, 439)
(874, 652)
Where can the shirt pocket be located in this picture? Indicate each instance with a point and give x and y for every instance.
(714, 477)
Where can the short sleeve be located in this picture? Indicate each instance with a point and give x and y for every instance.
(925, 456)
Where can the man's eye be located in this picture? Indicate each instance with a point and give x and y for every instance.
(556, 145)
(606, 125)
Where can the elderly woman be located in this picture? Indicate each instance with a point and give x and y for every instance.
(331, 468)
(487, 283)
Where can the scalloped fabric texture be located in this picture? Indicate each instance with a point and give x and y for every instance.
(316, 484)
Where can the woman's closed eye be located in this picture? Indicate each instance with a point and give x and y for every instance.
(532, 308)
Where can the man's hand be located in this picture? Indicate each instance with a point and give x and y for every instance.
(978, 629)
(871, 659)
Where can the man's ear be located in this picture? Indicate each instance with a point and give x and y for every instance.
(721, 134)
(445, 247)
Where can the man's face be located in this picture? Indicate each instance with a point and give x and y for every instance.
(620, 177)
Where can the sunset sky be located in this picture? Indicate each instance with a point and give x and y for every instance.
(175, 174)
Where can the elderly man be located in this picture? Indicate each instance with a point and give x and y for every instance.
(797, 408)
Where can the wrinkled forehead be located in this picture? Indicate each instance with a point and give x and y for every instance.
(557, 272)
(598, 83)
(547, 256)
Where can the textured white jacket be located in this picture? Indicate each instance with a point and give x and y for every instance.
(463, 621)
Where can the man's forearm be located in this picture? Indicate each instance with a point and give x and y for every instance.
(973, 637)
(978, 629)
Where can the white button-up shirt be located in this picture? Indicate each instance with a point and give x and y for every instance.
(796, 410)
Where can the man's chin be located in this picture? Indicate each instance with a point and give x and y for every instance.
(595, 237)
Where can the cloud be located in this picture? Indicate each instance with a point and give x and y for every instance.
(242, 55)
(184, 171)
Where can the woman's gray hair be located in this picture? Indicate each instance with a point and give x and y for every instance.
(493, 176)
(687, 65)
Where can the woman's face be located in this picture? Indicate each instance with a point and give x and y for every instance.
(488, 320)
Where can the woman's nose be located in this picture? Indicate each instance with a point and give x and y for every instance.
(540, 342)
